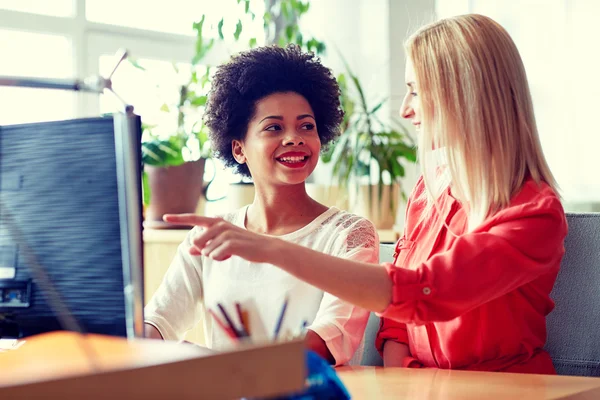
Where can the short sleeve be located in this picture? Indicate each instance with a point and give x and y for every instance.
(176, 306)
(339, 324)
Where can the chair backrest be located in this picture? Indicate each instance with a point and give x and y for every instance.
(371, 356)
(574, 325)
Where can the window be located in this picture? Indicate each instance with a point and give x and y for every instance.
(43, 39)
(557, 41)
(148, 90)
(46, 56)
(174, 16)
(57, 8)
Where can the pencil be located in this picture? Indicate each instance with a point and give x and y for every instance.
(225, 328)
(280, 320)
(243, 316)
(303, 328)
(228, 320)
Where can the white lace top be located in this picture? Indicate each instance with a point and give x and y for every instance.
(193, 284)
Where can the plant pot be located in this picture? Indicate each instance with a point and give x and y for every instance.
(240, 195)
(378, 211)
(174, 190)
(330, 196)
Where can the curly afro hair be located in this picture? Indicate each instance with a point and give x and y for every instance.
(252, 75)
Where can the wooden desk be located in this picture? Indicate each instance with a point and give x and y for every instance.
(403, 383)
(56, 365)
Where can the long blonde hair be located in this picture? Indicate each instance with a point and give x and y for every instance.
(476, 105)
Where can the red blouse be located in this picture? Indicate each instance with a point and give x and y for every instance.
(478, 300)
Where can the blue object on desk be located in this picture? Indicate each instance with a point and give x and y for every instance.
(322, 382)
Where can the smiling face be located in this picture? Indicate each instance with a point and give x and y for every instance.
(282, 145)
(411, 106)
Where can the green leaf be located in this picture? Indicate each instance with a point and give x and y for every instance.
(267, 17)
(202, 48)
(205, 78)
(327, 154)
(299, 39)
(312, 44)
(164, 152)
(198, 101)
(252, 43)
(165, 108)
(151, 157)
(397, 169)
(166, 148)
(145, 188)
(220, 29)
(378, 106)
(198, 25)
(238, 30)
(321, 48)
(247, 6)
(281, 41)
(289, 32)
(135, 63)
(285, 10)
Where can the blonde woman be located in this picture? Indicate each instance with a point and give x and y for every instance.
(469, 287)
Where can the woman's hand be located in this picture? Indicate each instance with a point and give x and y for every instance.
(220, 239)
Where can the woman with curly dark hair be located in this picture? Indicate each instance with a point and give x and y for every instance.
(270, 110)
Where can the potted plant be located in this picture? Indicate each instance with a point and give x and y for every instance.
(369, 156)
(174, 165)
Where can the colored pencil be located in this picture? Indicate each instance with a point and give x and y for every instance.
(243, 316)
(230, 332)
(280, 319)
(229, 321)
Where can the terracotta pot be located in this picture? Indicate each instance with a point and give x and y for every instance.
(378, 210)
(331, 196)
(240, 195)
(174, 190)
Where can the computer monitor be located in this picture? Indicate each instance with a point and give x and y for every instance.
(71, 227)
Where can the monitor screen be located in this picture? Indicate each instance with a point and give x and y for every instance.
(70, 227)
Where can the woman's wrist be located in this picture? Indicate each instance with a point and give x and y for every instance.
(276, 252)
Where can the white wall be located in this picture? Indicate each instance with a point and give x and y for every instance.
(405, 16)
(558, 41)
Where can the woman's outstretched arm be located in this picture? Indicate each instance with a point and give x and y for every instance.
(365, 285)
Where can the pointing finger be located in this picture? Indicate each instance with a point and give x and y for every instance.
(190, 219)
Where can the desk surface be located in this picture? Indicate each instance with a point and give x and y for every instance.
(403, 383)
(58, 355)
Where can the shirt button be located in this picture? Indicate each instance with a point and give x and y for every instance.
(426, 291)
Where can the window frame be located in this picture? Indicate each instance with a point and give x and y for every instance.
(90, 40)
